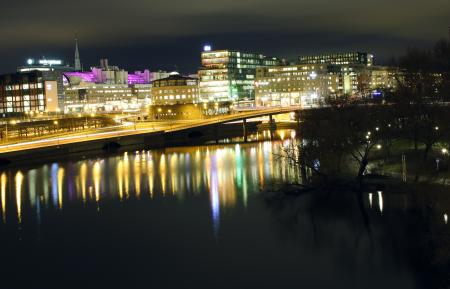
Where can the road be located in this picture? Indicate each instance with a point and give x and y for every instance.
(159, 127)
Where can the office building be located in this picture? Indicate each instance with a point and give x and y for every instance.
(306, 85)
(52, 69)
(177, 97)
(175, 89)
(229, 76)
(91, 97)
(383, 77)
(346, 58)
(28, 91)
(108, 88)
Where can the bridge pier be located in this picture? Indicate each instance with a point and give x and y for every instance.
(272, 126)
(297, 116)
(216, 133)
(244, 129)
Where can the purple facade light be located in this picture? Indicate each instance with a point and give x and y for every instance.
(93, 77)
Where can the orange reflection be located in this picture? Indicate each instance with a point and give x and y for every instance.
(162, 171)
(83, 180)
(119, 176)
(174, 173)
(126, 174)
(18, 180)
(150, 175)
(96, 176)
(60, 187)
(137, 174)
(3, 182)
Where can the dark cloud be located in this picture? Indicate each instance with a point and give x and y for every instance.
(165, 33)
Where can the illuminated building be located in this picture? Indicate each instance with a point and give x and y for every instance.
(28, 91)
(89, 97)
(107, 74)
(175, 89)
(52, 69)
(107, 88)
(383, 77)
(177, 97)
(346, 58)
(305, 85)
(348, 78)
(311, 84)
(155, 75)
(362, 81)
(228, 75)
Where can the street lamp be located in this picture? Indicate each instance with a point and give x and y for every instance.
(13, 122)
(56, 123)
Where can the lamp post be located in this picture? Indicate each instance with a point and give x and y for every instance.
(13, 122)
(56, 123)
(6, 130)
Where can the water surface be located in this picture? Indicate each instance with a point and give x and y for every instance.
(196, 217)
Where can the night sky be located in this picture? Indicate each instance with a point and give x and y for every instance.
(169, 34)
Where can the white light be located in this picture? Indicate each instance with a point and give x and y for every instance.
(444, 151)
(446, 219)
(50, 62)
(30, 61)
(380, 200)
(313, 75)
(379, 147)
(207, 48)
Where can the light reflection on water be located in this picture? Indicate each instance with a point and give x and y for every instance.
(147, 200)
(228, 172)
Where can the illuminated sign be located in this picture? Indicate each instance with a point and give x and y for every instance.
(313, 75)
(207, 48)
(50, 62)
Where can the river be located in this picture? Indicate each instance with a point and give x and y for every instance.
(198, 217)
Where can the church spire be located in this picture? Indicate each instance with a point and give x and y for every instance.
(77, 56)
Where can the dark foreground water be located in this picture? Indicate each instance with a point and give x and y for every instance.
(196, 218)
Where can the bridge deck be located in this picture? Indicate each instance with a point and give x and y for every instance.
(60, 141)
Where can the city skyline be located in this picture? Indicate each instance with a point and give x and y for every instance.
(169, 36)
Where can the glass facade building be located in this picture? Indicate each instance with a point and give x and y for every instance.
(229, 76)
(348, 58)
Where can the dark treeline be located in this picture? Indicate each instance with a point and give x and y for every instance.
(347, 138)
(400, 148)
(424, 75)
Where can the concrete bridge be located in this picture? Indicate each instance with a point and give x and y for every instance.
(159, 135)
